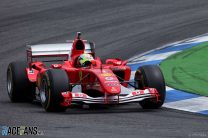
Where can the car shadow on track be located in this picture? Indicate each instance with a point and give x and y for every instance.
(105, 110)
(78, 109)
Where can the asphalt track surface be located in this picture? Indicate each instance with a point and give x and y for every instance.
(120, 29)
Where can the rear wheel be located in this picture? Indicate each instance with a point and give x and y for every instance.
(53, 82)
(151, 76)
(19, 88)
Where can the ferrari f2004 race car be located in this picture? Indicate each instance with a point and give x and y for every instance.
(54, 76)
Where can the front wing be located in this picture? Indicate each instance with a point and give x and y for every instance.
(133, 96)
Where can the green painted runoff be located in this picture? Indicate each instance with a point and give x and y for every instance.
(188, 70)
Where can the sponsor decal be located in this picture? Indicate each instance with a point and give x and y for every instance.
(30, 71)
(106, 74)
(113, 89)
(118, 68)
(134, 93)
(20, 131)
(110, 81)
(113, 84)
(79, 95)
(118, 62)
(109, 78)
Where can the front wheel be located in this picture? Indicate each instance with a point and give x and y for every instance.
(152, 77)
(53, 82)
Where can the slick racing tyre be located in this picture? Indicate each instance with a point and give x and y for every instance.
(53, 82)
(19, 88)
(152, 77)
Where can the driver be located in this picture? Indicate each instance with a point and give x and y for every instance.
(84, 60)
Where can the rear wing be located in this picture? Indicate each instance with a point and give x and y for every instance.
(54, 52)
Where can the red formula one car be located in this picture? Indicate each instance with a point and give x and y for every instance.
(61, 81)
